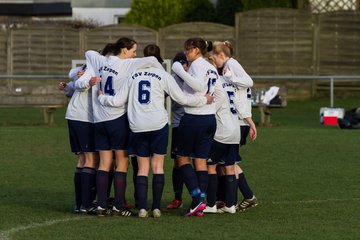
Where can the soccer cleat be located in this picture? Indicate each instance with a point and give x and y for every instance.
(90, 210)
(248, 203)
(199, 214)
(200, 207)
(101, 212)
(156, 213)
(225, 209)
(77, 209)
(209, 209)
(143, 213)
(175, 204)
(124, 213)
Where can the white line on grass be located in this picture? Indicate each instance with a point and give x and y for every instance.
(317, 201)
(5, 235)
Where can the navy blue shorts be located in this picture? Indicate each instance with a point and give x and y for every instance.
(112, 135)
(244, 133)
(145, 144)
(225, 154)
(82, 136)
(196, 133)
(174, 142)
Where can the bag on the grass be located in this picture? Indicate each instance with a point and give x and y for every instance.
(351, 119)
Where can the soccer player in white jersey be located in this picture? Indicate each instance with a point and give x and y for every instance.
(198, 125)
(81, 134)
(144, 92)
(177, 111)
(224, 147)
(233, 71)
(111, 123)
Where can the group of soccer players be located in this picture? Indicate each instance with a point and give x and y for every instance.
(117, 110)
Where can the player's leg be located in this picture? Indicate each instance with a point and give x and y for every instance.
(77, 181)
(122, 162)
(212, 188)
(249, 198)
(177, 181)
(102, 179)
(88, 179)
(142, 184)
(157, 166)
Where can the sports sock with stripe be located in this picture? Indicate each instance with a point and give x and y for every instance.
(158, 188)
(119, 189)
(88, 182)
(102, 181)
(142, 190)
(244, 187)
(211, 190)
(77, 185)
(230, 190)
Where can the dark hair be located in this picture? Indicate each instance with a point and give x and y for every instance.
(204, 46)
(121, 43)
(109, 48)
(181, 58)
(153, 50)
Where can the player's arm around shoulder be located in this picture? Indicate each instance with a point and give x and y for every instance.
(236, 74)
(172, 88)
(118, 100)
(196, 84)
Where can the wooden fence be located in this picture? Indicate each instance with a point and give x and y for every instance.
(267, 42)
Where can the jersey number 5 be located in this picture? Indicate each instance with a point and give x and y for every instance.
(231, 96)
(144, 93)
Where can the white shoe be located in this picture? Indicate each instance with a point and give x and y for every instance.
(156, 213)
(225, 209)
(209, 209)
(143, 213)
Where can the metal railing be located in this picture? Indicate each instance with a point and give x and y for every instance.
(331, 79)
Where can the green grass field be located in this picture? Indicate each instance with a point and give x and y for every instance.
(306, 177)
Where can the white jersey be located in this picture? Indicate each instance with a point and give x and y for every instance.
(80, 105)
(199, 80)
(236, 74)
(227, 125)
(244, 99)
(144, 91)
(113, 73)
(93, 63)
(177, 110)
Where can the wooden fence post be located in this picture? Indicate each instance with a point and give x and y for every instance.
(9, 56)
(316, 27)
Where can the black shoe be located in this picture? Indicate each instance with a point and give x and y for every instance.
(123, 212)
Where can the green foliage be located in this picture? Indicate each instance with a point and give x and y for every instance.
(255, 4)
(156, 13)
(200, 10)
(226, 10)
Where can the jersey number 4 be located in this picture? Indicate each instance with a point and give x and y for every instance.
(108, 88)
(144, 92)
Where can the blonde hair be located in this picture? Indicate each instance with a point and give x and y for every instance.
(224, 47)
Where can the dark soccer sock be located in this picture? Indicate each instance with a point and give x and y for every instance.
(203, 179)
(102, 181)
(88, 178)
(135, 166)
(142, 190)
(111, 178)
(119, 189)
(244, 187)
(221, 189)
(191, 183)
(178, 183)
(77, 185)
(230, 190)
(211, 190)
(157, 188)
